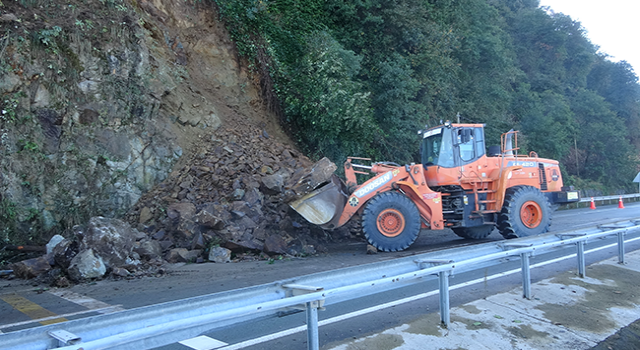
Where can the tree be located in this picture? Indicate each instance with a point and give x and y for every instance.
(609, 157)
(407, 64)
(395, 108)
(324, 105)
(618, 84)
(360, 77)
(546, 122)
(487, 69)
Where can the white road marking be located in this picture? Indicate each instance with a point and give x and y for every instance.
(91, 304)
(106, 310)
(203, 343)
(295, 330)
(85, 301)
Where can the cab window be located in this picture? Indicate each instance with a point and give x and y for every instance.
(465, 144)
(470, 144)
(437, 148)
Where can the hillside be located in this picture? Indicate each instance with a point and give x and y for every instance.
(170, 115)
(359, 78)
(139, 110)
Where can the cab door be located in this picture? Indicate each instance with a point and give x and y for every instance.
(469, 152)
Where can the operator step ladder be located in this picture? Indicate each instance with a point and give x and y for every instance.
(483, 187)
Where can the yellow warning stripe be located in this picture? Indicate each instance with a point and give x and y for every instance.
(31, 309)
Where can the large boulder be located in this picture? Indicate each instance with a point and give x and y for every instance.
(86, 265)
(112, 239)
(64, 252)
(219, 255)
(181, 210)
(148, 249)
(182, 214)
(31, 268)
(178, 255)
(274, 245)
(303, 182)
(53, 242)
(209, 219)
(273, 184)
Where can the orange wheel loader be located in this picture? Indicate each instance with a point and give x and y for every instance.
(459, 186)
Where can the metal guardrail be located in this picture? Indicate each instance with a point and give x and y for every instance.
(602, 199)
(610, 198)
(166, 323)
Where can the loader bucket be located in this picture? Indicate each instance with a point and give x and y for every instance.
(324, 205)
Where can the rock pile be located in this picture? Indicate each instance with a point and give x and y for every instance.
(233, 193)
(228, 202)
(101, 246)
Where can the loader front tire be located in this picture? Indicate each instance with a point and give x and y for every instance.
(525, 212)
(476, 232)
(390, 221)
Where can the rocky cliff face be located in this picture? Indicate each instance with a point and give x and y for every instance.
(101, 99)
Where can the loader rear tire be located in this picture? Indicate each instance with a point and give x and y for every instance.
(390, 221)
(526, 212)
(476, 232)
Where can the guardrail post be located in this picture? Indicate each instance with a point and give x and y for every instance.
(313, 342)
(621, 247)
(581, 264)
(445, 318)
(526, 276)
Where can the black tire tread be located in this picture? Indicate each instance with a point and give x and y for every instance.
(394, 200)
(476, 232)
(509, 222)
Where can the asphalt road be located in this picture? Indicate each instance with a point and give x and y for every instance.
(191, 280)
(289, 332)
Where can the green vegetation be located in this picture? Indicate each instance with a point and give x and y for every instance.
(10, 215)
(360, 77)
(9, 108)
(7, 219)
(48, 37)
(28, 145)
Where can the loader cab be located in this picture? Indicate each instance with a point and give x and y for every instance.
(452, 145)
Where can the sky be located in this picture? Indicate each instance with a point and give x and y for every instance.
(613, 25)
